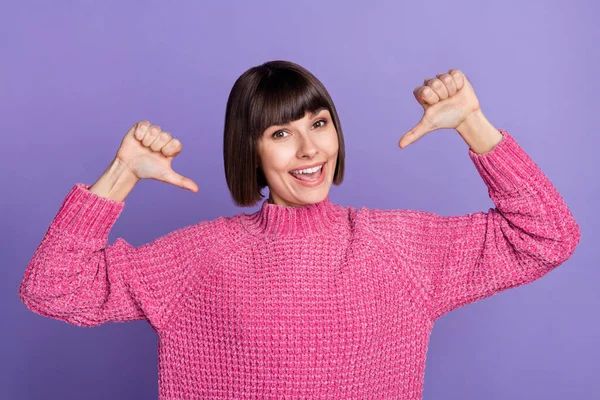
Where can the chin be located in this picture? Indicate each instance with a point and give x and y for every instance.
(310, 197)
(313, 197)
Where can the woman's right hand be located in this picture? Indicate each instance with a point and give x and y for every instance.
(147, 152)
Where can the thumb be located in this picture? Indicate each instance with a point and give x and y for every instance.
(415, 133)
(174, 178)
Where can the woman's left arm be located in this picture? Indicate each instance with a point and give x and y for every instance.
(456, 260)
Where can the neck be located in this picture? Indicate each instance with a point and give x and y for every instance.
(280, 202)
(294, 221)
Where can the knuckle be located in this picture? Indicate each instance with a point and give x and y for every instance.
(140, 130)
(177, 147)
(165, 135)
(171, 147)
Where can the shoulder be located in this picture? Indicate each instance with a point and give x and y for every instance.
(199, 236)
(218, 231)
(390, 221)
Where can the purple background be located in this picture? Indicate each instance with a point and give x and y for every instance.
(74, 76)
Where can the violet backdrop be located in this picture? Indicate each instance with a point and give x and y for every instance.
(74, 76)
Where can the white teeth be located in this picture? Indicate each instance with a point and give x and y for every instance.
(307, 170)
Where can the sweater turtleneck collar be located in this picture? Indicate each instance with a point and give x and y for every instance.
(310, 219)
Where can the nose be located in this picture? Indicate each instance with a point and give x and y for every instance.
(306, 148)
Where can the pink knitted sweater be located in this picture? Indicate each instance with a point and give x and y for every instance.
(321, 301)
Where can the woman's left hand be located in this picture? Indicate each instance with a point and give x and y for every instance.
(448, 100)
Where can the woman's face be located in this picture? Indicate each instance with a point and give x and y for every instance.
(304, 143)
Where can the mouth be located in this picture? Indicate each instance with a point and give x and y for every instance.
(309, 176)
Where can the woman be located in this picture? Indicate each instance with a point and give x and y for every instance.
(303, 298)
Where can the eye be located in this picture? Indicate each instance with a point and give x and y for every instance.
(324, 121)
(276, 135)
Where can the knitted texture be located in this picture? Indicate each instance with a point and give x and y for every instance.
(321, 301)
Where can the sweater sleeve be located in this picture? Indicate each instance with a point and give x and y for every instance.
(76, 277)
(456, 260)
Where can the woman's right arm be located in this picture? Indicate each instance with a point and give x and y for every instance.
(116, 182)
(76, 277)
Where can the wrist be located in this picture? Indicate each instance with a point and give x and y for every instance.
(472, 122)
(121, 172)
(479, 133)
(116, 182)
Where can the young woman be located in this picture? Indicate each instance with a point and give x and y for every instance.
(303, 298)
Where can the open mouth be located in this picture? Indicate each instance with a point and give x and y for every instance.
(309, 175)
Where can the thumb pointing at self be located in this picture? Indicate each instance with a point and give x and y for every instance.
(148, 152)
(176, 179)
(447, 101)
(422, 128)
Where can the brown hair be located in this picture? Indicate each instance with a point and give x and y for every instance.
(273, 93)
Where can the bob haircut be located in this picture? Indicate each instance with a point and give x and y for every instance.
(273, 93)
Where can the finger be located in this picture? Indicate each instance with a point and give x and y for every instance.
(449, 83)
(405, 140)
(420, 130)
(132, 130)
(151, 135)
(181, 181)
(162, 139)
(417, 92)
(439, 88)
(141, 129)
(172, 148)
(458, 77)
(187, 183)
(426, 96)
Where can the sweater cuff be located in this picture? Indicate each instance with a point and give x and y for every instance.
(506, 167)
(87, 215)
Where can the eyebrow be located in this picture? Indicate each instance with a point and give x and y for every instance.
(318, 110)
(313, 113)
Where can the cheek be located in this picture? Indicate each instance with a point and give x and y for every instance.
(330, 143)
(277, 161)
